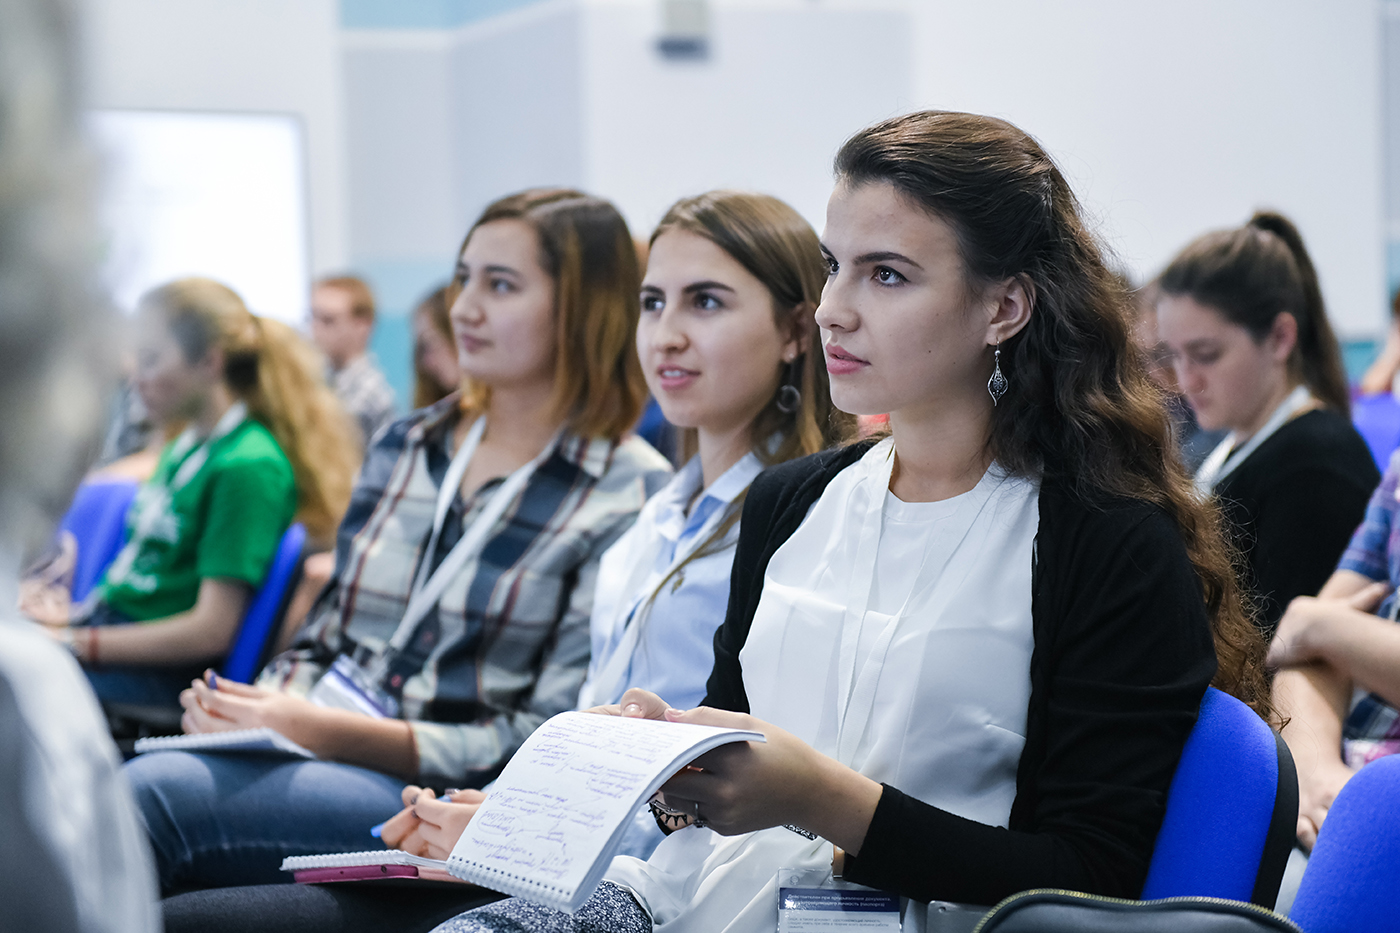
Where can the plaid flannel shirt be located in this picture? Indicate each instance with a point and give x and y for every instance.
(508, 644)
(1372, 729)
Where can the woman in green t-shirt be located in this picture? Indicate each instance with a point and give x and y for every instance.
(204, 528)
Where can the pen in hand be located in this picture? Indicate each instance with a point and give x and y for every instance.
(445, 798)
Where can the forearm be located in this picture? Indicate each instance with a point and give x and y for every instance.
(1313, 701)
(842, 805)
(203, 634)
(382, 744)
(1368, 650)
(177, 640)
(1344, 583)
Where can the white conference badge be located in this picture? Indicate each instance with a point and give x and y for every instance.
(815, 902)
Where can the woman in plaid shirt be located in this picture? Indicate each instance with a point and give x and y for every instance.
(457, 620)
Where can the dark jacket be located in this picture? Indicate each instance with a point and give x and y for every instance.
(1292, 506)
(1123, 654)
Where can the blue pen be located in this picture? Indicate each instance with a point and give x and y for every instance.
(445, 798)
(213, 681)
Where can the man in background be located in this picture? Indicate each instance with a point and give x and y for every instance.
(342, 319)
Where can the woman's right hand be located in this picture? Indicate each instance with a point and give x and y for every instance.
(428, 827)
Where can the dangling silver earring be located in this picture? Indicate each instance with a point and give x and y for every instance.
(789, 395)
(997, 385)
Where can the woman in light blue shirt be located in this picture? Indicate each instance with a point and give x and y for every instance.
(732, 354)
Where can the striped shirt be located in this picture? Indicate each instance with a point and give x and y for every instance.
(508, 646)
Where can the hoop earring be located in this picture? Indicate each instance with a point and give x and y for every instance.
(997, 384)
(789, 395)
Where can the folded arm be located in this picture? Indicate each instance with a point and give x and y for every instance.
(1326, 646)
(204, 633)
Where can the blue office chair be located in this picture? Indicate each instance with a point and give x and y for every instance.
(97, 521)
(254, 641)
(1232, 810)
(1377, 420)
(1351, 880)
(251, 647)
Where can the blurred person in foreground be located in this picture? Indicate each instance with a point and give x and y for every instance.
(74, 856)
(342, 319)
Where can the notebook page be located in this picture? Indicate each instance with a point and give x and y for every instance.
(552, 820)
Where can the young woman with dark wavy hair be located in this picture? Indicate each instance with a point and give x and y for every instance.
(976, 647)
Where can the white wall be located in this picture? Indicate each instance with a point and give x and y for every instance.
(249, 55)
(1175, 118)
(786, 82)
(1170, 118)
(572, 92)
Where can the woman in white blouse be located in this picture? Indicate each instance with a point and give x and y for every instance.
(730, 351)
(976, 647)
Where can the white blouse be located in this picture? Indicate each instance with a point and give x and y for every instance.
(895, 637)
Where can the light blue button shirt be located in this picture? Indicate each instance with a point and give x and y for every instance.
(674, 651)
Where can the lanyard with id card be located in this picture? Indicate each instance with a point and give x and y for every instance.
(358, 684)
(812, 901)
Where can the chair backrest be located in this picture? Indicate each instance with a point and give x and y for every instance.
(1377, 420)
(1350, 883)
(97, 520)
(254, 635)
(1232, 810)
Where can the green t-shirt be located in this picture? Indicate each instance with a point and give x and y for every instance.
(215, 509)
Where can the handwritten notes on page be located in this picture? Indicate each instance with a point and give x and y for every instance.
(557, 813)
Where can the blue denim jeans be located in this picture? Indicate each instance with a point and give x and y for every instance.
(217, 820)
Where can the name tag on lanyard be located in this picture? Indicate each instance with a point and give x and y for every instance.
(833, 905)
(351, 685)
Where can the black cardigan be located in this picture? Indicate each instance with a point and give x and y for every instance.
(1292, 506)
(1122, 656)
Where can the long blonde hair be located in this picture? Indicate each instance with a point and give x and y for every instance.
(278, 375)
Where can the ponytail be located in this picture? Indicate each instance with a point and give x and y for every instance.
(1319, 355)
(277, 374)
(290, 398)
(1253, 274)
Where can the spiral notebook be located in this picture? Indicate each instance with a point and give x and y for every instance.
(556, 815)
(365, 866)
(247, 741)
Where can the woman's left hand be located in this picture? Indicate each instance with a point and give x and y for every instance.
(232, 705)
(747, 786)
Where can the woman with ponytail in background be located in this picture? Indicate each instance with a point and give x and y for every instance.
(266, 443)
(1242, 316)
